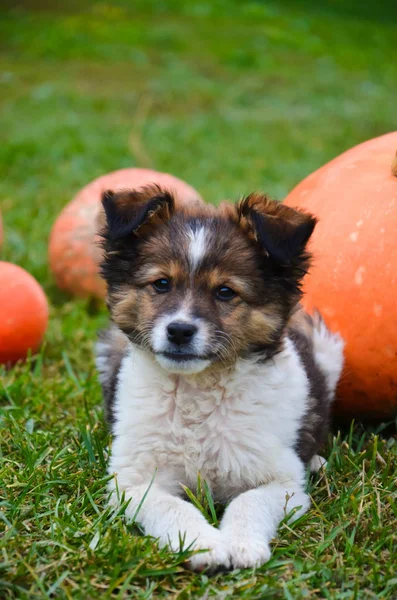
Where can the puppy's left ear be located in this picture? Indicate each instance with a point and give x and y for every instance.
(281, 231)
(135, 212)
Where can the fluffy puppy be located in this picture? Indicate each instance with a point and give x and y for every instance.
(210, 367)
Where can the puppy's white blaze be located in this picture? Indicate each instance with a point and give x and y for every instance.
(197, 246)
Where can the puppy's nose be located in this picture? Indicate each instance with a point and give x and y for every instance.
(180, 333)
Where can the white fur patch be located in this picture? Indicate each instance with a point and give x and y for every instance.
(187, 367)
(328, 353)
(317, 463)
(198, 242)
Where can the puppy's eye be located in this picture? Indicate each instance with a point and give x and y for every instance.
(162, 285)
(225, 293)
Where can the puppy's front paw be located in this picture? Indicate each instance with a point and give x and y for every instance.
(247, 552)
(214, 553)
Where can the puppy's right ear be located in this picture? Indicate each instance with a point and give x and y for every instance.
(281, 231)
(135, 212)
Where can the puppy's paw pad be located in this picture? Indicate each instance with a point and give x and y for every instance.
(246, 553)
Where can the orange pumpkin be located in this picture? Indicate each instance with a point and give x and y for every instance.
(24, 313)
(354, 277)
(74, 252)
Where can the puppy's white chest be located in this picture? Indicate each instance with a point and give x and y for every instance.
(226, 445)
(231, 429)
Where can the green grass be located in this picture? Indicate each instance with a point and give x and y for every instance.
(231, 96)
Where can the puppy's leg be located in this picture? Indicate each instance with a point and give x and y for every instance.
(171, 519)
(251, 520)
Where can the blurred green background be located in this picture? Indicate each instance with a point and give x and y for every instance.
(231, 96)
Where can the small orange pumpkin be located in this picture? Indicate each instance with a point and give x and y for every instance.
(24, 313)
(74, 251)
(353, 281)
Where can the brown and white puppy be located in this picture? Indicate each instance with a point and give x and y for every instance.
(210, 367)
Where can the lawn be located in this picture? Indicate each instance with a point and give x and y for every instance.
(230, 96)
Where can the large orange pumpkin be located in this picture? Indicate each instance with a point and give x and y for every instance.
(74, 252)
(24, 313)
(354, 278)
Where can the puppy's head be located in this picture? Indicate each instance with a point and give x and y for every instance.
(195, 286)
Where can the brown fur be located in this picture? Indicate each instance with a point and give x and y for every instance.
(314, 429)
